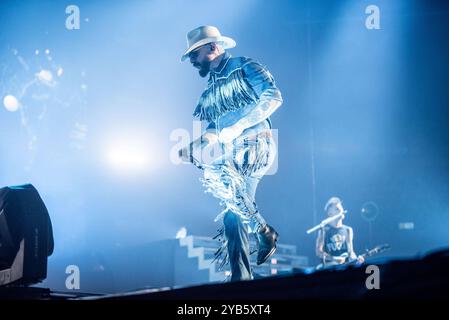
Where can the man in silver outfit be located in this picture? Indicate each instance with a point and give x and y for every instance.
(239, 98)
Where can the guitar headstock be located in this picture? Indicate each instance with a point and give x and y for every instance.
(378, 249)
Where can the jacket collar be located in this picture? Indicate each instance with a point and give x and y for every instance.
(222, 65)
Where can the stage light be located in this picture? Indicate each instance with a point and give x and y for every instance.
(45, 77)
(406, 225)
(369, 211)
(11, 103)
(128, 157)
(26, 236)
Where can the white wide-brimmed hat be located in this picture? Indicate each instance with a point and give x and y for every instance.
(203, 35)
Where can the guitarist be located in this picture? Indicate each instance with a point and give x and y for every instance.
(334, 245)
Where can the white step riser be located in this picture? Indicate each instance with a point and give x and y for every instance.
(203, 249)
(203, 264)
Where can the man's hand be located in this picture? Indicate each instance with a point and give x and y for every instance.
(339, 260)
(184, 154)
(230, 133)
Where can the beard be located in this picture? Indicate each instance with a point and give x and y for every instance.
(204, 68)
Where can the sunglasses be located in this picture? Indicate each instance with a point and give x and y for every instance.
(194, 54)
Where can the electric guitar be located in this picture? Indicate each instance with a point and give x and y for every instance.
(376, 250)
(368, 253)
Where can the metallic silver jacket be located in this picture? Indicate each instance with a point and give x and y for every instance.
(234, 88)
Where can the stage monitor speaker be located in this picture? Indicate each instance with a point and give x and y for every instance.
(26, 236)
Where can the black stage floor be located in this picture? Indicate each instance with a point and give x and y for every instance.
(420, 278)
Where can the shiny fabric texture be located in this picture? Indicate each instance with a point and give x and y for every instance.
(234, 89)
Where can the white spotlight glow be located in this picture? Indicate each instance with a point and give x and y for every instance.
(127, 157)
(11, 103)
(45, 76)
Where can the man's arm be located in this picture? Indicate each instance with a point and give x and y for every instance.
(319, 245)
(206, 139)
(269, 100)
(262, 111)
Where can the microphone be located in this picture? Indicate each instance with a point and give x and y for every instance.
(327, 221)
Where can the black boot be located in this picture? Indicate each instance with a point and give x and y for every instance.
(266, 238)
